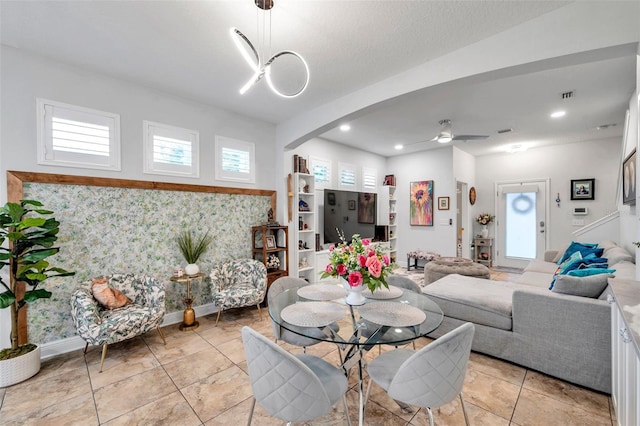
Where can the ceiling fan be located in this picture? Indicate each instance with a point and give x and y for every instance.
(446, 134)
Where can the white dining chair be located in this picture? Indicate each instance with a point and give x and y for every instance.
(403, 282)
(430, 377)
(291, 387)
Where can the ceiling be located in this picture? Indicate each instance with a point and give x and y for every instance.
(184, 48)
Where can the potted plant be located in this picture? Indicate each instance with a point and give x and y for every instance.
(29, 242)
(192, 249)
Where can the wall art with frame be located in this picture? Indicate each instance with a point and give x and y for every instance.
(629, 179)
(443, 203)
(421, 203)
(583, 189)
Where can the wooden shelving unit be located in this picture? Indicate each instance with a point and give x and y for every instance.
(261, 250)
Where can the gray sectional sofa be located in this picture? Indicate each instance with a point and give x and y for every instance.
(563, 335)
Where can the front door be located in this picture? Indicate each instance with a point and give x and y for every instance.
(521, 225)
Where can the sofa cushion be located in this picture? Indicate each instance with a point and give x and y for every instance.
(535, 279)
(540, 266)
(481, 301)
(591, 286)
(618, 254)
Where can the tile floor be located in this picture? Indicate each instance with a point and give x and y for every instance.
(200, 378)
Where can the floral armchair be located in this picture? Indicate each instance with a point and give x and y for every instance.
(100, 326)
(238, 283)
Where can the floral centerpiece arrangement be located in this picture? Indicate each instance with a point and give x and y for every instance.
(359, 263)
(485, 218)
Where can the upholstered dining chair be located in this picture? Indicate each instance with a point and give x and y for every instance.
(99, 326)
(293, 388)
(238, 283)
(430, 377)
(403, 282)
(276, 288)
(398, 281)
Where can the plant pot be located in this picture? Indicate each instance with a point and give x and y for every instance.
(16, 370)
(191, 269)
(354, 295)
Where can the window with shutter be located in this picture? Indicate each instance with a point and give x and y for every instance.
(74, 136)
(170, 150)
(235, 160)
(347, 175)
(369, 179)
(321, 170)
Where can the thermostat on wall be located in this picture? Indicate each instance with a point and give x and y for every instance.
(580, 211)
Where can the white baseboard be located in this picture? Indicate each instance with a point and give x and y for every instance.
(62, 346)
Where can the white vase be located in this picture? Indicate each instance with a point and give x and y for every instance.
(354, 295)
(16, 370)
(485, 231)
(191, 269)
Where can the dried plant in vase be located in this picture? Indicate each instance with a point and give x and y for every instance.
(192, 248)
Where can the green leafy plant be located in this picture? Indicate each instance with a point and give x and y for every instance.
(192, 249)
(30, 238)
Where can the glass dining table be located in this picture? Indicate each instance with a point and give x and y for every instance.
(393, 316)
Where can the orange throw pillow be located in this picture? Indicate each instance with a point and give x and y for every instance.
(108, 297)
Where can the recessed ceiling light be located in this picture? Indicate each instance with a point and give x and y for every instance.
(345, 127)
(399, 146)
(516, 147)
(558, 114)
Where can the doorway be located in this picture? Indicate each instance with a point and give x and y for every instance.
(462, 221)
(521, 227)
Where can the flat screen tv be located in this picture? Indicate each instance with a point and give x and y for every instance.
(349, 211)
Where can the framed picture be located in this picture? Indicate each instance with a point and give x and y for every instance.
(421, 207)
(366, 207)
(390, 180)
(351, 204)
(331, 198)
(629, 179)
(443, 203)
(271, 241)
(583, 189)
(472, 195)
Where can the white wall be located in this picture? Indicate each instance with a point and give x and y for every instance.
(433, 165)
(464, 170)
(25, 77)
(599, 159)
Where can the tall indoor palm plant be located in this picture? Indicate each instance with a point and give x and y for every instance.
(27, 236)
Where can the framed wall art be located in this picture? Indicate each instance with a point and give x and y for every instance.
(366, 208)
(443, 203)
(583, 189)
(271, 241)
(472, 195)
(629, 179)
(421, 207)
(351, 204)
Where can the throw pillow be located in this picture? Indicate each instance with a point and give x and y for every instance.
(589, 271)
(591, 286)
(110, 298)
(583, 248)
(572, 262)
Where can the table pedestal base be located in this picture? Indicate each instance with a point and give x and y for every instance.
(189, 317)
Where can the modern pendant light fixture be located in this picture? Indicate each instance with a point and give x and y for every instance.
(255, 61)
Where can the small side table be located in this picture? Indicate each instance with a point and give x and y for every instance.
(189, 317)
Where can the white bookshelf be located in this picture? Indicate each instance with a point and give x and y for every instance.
(303, 243)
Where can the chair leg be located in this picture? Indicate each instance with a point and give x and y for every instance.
(161, 335)
(414, 345)
(464, 410)
(366, 396)
(104, 354)
(260, 312)
(346, 409)
(218, 317)
(86, 347)
(253, 405)
(430, 416)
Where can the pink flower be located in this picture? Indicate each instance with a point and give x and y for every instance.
(362, 261)
(355, 279)
(365, 241)
(371, 253)
(341, 269)
(385, 259)
(328, 269)
(375, 266)
(332, 247)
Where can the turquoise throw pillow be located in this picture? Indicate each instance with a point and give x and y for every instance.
(571, 263)
(585, 249)
(590, 271)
